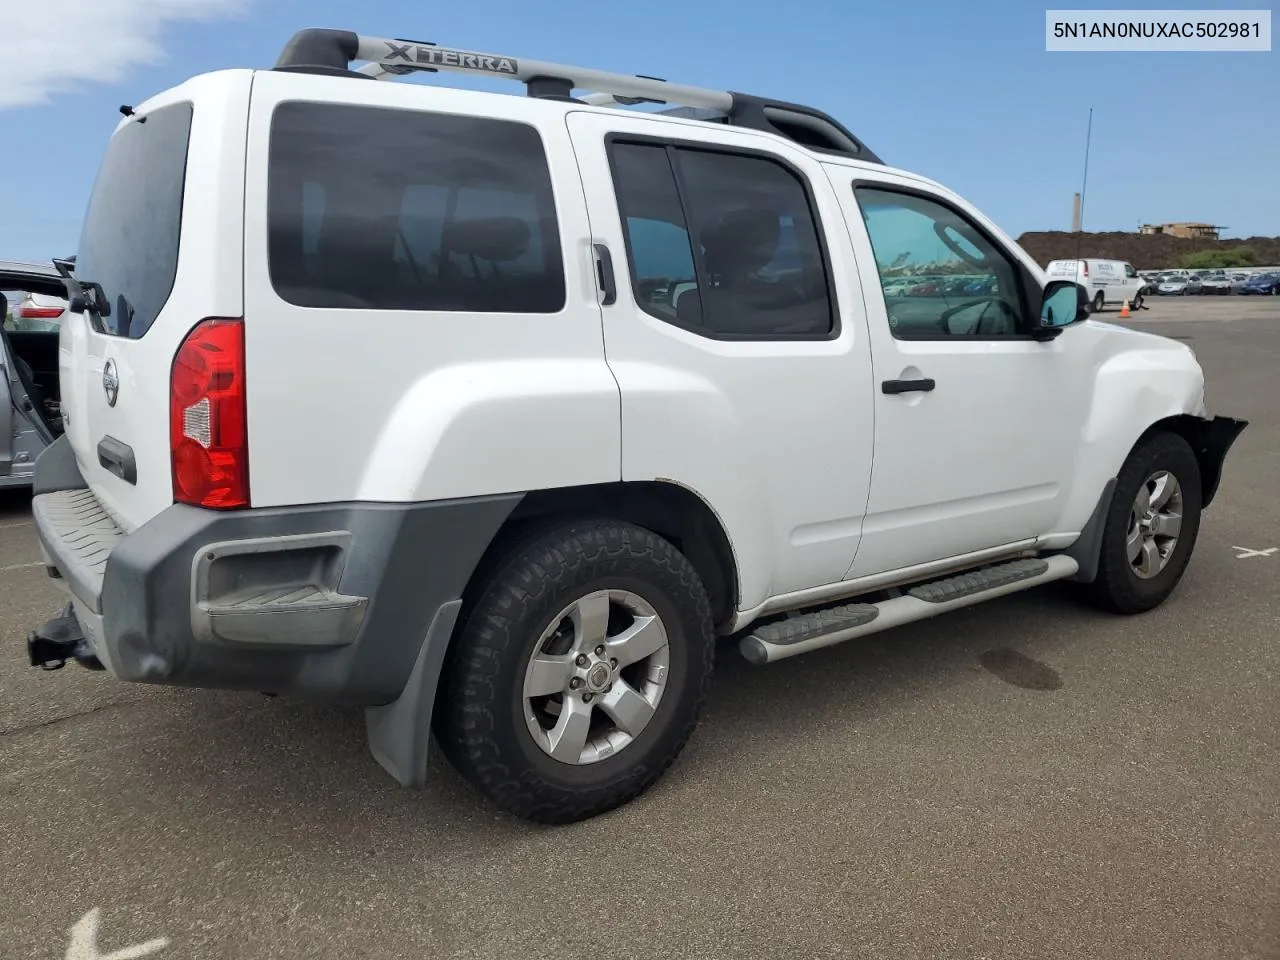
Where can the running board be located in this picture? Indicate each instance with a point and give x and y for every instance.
(832, 625)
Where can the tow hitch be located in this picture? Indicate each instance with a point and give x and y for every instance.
(60, 640)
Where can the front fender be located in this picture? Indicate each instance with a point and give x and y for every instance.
(1137, 381)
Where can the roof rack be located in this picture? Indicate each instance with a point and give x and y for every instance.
(333, 52)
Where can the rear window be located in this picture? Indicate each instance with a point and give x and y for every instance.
(129, 240)
(384, 209)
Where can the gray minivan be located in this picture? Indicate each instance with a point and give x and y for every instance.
(30, 416)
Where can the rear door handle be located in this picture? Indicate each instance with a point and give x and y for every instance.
(604, 273)
(907, 386)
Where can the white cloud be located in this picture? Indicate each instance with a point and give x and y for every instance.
(61, 45)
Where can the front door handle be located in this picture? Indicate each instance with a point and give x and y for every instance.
(907, 386)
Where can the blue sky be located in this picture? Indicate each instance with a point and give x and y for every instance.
(962, 93)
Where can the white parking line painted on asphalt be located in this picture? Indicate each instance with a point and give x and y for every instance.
(22, 566)
(1248, 552)
(84, 943)
(14, 526)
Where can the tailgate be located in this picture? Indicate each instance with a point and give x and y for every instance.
(160, 250)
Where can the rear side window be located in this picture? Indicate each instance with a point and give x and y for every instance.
(383, 209)
(723, 244)
(129, 240)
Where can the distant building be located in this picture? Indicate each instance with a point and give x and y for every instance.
(1187, 231)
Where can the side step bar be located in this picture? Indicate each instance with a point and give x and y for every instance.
(832, 625)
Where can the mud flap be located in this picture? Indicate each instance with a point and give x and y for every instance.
(399, 733)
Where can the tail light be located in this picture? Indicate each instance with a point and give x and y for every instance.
(208, 440)
(40, 313)
(1085, 264)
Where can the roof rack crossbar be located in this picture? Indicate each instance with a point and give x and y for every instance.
(333, 51)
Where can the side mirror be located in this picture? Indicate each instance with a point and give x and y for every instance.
(1063, 303)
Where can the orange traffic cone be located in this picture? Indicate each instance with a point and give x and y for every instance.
(1124, 310)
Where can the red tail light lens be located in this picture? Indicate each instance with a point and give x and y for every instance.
(208, 439)
(1085, 264)
(39, 313)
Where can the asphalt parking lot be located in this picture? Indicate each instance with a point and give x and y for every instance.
(1027, 778)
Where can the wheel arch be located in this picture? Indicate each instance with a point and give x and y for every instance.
(1210, 438)
(668, 509)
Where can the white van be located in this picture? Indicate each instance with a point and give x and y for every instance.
(1106, 281)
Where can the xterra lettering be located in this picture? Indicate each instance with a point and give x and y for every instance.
(456, 59)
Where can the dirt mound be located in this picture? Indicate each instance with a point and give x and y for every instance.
(1146, 252)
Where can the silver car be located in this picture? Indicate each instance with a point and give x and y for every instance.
(1216, 283)
(30, 416)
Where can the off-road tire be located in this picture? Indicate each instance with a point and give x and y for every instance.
(480, 723)
(1117, 587)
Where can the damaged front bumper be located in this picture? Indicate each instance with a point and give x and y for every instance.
(1213, 438)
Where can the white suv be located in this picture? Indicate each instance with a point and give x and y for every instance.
(490, 413)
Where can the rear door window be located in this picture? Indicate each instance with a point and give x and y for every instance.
(384, 209)
(129, 239)
(722, 243)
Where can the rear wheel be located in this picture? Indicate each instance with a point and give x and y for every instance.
(579, 672)
(1151, 527)
(1098, 302)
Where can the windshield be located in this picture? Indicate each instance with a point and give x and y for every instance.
(129, 241)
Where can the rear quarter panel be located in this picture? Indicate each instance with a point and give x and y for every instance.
(407, 406)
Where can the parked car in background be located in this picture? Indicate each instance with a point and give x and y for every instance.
(1173, 287)
(39, 311)
(1216, 283)
(1238, 280)
(30, 413)
(1194, 284)
(1267, 284)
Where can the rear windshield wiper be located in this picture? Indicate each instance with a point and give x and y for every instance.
(82, 296)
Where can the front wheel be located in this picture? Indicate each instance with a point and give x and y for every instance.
(1151, 527)
(579, 672)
